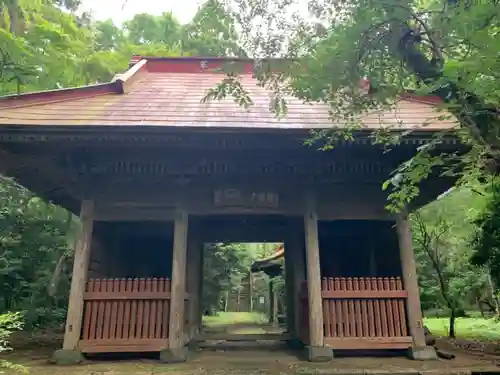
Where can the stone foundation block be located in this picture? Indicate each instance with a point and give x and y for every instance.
(425, 353)
(177, 355)
(67, 357)
(318, 353)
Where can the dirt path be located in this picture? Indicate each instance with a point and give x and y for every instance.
(253, 363)
(239, 323)
(248, 362)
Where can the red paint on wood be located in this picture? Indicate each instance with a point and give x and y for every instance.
(361, 313)
(123, 324)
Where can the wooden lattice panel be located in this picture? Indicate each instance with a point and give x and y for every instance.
(125, 315)
(361, 313)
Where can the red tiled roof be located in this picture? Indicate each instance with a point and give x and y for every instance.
(168, 92)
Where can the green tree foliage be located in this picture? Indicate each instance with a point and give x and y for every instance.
(442, 232)
(212, 32)
(486, 241)
(48, 44)
(424, 47)
(44, 46)
(9, 323)
(449, 281)
(225, 266)
(31, 229)
(429, 47)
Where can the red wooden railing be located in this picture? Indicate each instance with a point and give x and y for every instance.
(126, 315)
(361, 313)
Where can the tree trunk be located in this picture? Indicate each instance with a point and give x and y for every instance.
(238, 299)
(56, 276)
(480, 119)
(453, 316)
(480, 306)
(494, 294)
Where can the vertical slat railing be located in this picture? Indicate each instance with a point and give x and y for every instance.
(126, 315)
(361, 312)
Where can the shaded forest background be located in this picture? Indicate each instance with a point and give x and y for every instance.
(49, 45)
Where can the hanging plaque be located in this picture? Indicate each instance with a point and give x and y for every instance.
(238, 198)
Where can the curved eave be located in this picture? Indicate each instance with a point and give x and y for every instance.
(270, 262)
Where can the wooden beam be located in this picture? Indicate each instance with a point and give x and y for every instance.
(79, 277)
(367, 343)
(176, 323)
(410, 280)
(313, 273)
(338, 202)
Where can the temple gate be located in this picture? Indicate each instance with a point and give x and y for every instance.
(154, 174)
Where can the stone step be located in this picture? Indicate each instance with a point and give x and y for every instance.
(244, 337)
(242, 345)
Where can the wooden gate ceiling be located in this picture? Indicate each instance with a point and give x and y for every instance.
(148, 127)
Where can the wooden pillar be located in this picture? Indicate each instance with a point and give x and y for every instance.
(316, 335)
(176, 323)
(201, 311)
(193, 284)
(296, 249)
(410, 280)
(290, 290)
(79, 277)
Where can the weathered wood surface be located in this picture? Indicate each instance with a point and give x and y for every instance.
(80, 271)
(313, 273)
(410, 280)
(71, 165)
(362, 313)
(126, 315)
(342, 201)
(194, 274)
(295, 246)
(177, 305)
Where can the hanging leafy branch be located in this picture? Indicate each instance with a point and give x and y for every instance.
(422, 47)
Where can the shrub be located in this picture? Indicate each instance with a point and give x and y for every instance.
(9, 323)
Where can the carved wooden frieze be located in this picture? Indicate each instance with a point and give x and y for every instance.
(235, 167)
(236, 198)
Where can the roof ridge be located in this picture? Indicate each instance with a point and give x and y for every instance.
(124, 82)
(120, 84)
(127, 79)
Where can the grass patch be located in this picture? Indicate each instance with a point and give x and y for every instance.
(230, 318)
(466, 328)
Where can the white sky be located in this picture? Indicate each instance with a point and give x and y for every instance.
(122, 10)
